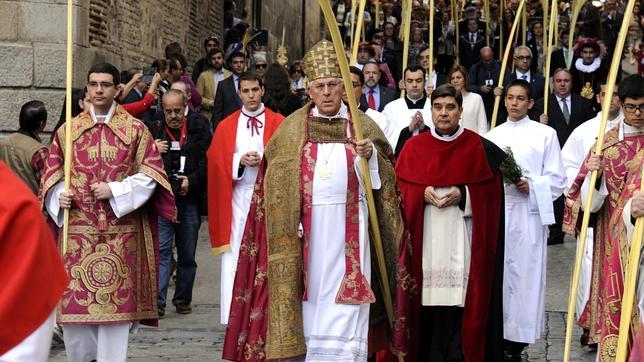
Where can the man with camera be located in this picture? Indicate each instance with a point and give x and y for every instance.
(183, 146)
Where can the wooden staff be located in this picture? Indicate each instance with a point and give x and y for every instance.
(457, 24)
(358, 31)
(406, 42)
(630, 284)
(486, 10)
(355, 118)
(547, 52)
(524, 26)
(377, 14)
(430, 68)
(354, 4)
(501, 25)
(577, 5)
(581, 245)
(68, 119)
(504, 64)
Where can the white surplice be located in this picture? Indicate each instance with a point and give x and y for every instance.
(573, 153)
(446, 265)
(335, 332)
(536, 150)
(35, 347)
(399, 116)
(245, 141)
(378, 118)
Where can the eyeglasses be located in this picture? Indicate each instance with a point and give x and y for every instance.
(523, 59)
(260, 66)
(632, 108)
(319, 87)
(103, 85)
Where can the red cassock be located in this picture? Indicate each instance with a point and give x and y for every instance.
(220, 177)
(472, 161)
(33, 277)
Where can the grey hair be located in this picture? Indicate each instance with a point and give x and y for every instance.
(522, 47)
(176, 92)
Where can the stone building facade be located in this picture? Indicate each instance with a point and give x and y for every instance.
(126, 33)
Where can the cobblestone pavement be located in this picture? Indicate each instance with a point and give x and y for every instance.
(199, 336)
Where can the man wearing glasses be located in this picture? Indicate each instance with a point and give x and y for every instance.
(118, 189)
(615, 205)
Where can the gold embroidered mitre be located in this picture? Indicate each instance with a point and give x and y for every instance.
(321, 62)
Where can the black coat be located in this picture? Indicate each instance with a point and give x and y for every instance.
(581, 110)
(227, 101)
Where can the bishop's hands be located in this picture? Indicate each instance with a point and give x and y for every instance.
(637, 204)
(595, 163)
(450, 198)
(417, 122)
(364, 148)
(250, 159)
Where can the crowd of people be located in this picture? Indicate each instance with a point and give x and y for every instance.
(466, 205)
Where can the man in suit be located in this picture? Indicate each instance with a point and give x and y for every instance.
(561, 57)
(470, 44)
(437, 78)
(209, 80)
(375, 96)
(522, 63)
(484, 76)
(566, 111)
(227, 99)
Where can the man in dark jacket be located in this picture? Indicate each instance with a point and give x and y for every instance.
(183, 146)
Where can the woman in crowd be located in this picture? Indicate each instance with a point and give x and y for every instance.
(473, 116)
(277, 91)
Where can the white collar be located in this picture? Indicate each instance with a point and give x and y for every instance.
(343, 112)
(248, 113)
(520, 122)
(519, 74)
(568, 99)
(579, 64)
(185, 113)
(105, 118)
(449, 138)
(627, 129)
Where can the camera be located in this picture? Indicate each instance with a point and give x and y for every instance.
(489, 82)
(148, 74)
(176, 168)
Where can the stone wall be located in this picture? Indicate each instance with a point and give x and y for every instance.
(123, 32)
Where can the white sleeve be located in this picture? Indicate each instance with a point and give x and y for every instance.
(373, 169)
(598, 196)
(388, 127)
(52, 205)
(626, 217)
(131, 193)
(482, 117)
(570, 159)
(236, 162)
(467, 212)
(553, 166)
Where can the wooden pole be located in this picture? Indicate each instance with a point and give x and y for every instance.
(430, 68)
(407, 24)
(353, 108)
(504, 64)
(377, 14)
(501, 25)
(524, 26)
(358, 31)
(547, 52)
(354, 4)
(630, 285)
(486, 10)
(67, 168)
(581, 245)
(457, 24)
(577, 5)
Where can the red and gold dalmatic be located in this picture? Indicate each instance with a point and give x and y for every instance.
(623, 161)
(111, 262)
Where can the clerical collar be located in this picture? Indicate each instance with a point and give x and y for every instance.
(416, 104)
(520, 122)
(102, 118)
(629, 130)
(449, 137)
(579, 64)
(249, 114)
(343, 112)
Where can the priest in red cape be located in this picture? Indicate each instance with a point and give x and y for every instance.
(233, 162)
(32, 272)
(452, 195)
